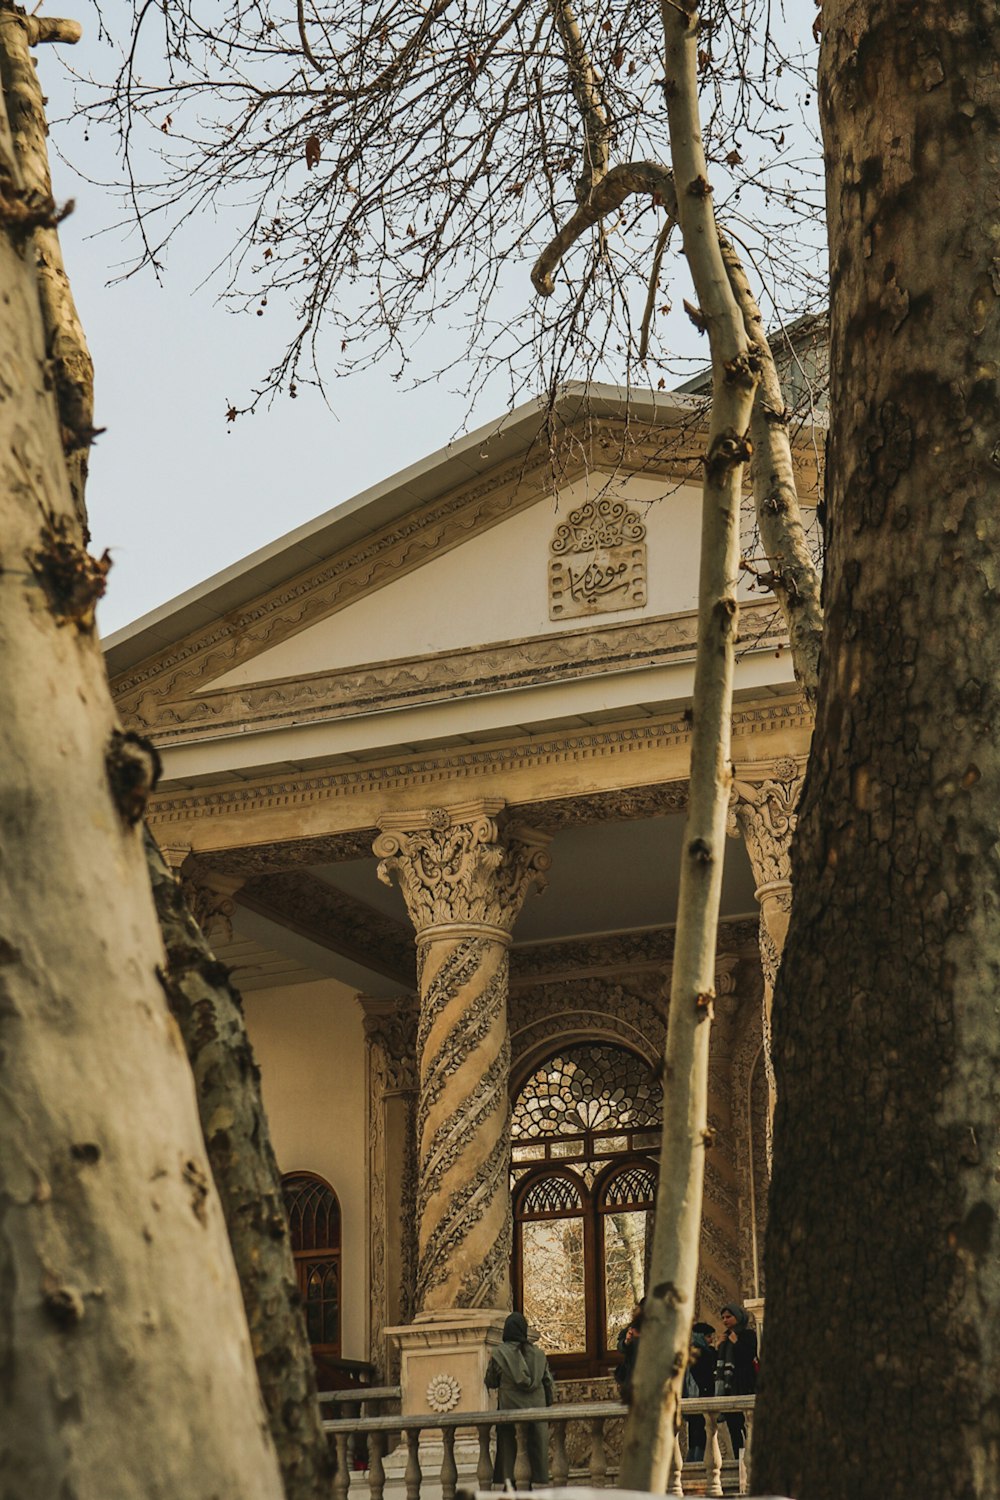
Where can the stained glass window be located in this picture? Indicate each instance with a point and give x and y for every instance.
(592, 1086)
(314, 1227)
(585, 1127)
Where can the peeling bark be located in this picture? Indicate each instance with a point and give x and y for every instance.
(883, 1225)
(125, 1364)
(227, 1082)
(650, 1433)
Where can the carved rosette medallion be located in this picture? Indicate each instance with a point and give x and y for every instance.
(597, 561)
(464, 876)
(443, 1393)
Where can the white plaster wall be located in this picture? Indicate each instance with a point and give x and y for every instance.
(494, 587)
(309, 1043)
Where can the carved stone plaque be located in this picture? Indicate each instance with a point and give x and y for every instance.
(598, 561)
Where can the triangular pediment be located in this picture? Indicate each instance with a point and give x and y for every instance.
(506, 583)
(441, 583)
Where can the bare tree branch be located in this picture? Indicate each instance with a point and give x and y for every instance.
(589, 99)
(794, 576)
(654, 284)
(607, 196)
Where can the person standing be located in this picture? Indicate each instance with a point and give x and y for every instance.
(628, 1348)
(701, 1374)
(736, 1366)
(519, 1373)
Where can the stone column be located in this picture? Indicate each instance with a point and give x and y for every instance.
(391, 1046)
(464, 873)
(764, 811)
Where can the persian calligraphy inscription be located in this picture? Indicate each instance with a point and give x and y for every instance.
(598, 561)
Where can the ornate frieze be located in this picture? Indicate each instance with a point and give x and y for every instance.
(629, 753)
(650, 950)
(409, 681)
(457, 866)
(598, 560)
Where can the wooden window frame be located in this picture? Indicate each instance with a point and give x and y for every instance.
(305, 1258)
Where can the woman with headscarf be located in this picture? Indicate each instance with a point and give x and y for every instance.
(736, 1366)
(519, 1373)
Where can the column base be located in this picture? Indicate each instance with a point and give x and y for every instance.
(444, 1356)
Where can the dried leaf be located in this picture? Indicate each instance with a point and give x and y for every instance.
(618, 58)
(312, 151)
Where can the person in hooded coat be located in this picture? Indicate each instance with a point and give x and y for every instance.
(519, 1373)
(736, 1366)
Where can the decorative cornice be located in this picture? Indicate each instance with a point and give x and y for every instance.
(429, 530)
(449, 768)
(405, 682)
(463, 864)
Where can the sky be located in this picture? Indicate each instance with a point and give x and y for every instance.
(175, 491)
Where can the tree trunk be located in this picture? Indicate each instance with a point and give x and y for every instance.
(884, 1317)
(227, 1081)
(650, 1433)
(127, 1368)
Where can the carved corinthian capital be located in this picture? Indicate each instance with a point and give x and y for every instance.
(211, 899)
(765, 813)
(461, 864)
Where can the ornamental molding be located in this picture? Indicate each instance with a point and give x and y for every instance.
(591, 748)
(764, 811)
(598, 560)
(463, 864)
(405, 682)
(427, 531)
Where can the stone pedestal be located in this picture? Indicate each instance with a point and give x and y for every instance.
(444, 1355)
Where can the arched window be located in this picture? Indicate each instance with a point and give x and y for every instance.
(314, 1223)
(585, 1138)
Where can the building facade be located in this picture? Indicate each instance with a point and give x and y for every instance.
(425, 774)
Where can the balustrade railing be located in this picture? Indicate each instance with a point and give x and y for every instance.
(375, 1437)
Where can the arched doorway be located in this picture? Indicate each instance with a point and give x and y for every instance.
(585, 1136)
(314, 1226)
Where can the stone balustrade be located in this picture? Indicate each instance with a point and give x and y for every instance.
(408, 1444)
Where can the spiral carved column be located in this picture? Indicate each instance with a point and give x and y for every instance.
(464, 874)
(765, 813)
